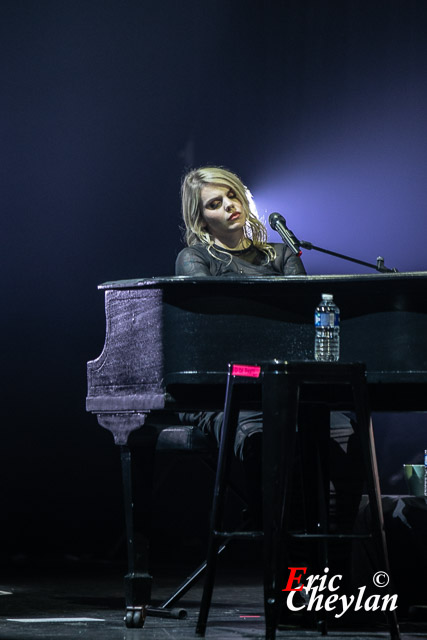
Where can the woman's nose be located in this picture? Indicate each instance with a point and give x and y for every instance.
(228, 204)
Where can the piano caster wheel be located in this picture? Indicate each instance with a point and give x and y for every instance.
(135, 617)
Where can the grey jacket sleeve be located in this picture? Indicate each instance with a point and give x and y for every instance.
(191, 262)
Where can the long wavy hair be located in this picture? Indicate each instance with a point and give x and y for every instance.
(192, 209)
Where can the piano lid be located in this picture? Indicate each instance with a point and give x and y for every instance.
(227, 281)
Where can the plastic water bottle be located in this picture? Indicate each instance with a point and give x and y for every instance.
(327, 328)
(425, 473)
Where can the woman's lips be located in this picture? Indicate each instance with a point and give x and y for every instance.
(234, 216)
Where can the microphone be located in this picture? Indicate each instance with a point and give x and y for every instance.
(278, 223)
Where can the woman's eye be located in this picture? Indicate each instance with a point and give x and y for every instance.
(231, 194)
(214, 205)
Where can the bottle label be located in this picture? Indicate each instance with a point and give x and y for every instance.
(322, 319)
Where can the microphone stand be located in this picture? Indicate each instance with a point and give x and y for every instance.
(380, 266)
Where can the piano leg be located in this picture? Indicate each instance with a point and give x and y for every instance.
(137, 581)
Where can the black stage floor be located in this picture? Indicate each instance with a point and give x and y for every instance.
(79, 600)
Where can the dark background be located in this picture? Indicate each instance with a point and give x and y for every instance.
(320, 106)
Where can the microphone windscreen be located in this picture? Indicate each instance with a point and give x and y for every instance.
(274, 218)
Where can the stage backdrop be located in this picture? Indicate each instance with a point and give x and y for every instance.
(318, 105)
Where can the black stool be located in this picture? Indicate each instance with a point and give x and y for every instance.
(281, 385)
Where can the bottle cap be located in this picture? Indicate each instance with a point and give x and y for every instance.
(327, 296)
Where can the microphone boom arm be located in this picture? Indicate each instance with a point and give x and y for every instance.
(278, 223)
(380, 266)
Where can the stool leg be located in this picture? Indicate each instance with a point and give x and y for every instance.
(229, 426)
(314, 431)
(280, 407)
(364, 425)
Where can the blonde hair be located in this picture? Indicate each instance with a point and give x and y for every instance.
(192, 209)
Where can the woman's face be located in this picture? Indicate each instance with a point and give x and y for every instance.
(223, 212)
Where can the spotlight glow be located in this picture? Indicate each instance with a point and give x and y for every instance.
(357, 188)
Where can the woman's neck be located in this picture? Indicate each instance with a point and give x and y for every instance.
(233, 244)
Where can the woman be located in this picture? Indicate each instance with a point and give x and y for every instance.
(225, 237)
(223, 232)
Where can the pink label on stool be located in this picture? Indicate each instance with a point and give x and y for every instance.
(245, 370)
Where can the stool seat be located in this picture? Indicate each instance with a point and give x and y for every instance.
(287, 389)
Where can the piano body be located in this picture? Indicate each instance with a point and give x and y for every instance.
(169, 340)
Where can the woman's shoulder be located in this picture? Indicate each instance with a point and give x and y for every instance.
(287, 262)
(278, 247)
(279, 251)
(193, 260)
(195, 249)
(193, 252)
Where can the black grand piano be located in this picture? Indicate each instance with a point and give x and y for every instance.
(169, 340)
